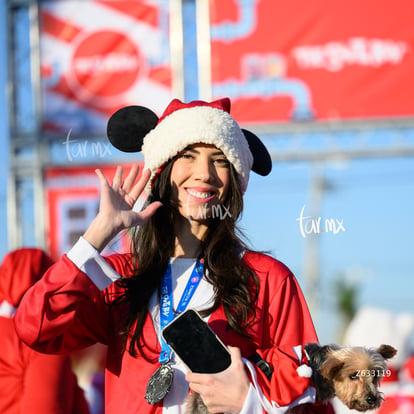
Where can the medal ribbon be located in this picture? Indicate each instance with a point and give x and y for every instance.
(167, 313)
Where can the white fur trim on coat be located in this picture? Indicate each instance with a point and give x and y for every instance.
(304, 371)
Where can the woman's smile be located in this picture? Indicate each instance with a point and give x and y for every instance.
(200, 195)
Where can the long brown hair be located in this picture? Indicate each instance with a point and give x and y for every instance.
(235, 285)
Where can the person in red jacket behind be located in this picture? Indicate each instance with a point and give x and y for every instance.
(31, 382)
(187, 252)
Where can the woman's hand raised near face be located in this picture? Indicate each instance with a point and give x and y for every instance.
(116, 206)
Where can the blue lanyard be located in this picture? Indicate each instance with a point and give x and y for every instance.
(167, 313)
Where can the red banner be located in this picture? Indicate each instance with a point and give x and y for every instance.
(72, 196)
(319, 60)
(97, 56)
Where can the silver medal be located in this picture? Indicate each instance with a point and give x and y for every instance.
(159, 384)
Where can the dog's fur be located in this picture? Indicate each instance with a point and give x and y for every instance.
(335, 372)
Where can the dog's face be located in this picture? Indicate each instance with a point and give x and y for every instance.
(356, 373)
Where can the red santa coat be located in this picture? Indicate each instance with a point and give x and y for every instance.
(65, 311)
(31, 382)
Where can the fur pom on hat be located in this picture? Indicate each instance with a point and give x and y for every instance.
(183, 124)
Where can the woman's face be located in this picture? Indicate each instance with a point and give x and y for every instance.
(200, 179)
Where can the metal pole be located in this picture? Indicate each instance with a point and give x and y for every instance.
(203, 49)
(177, 49)
(311, 255)
(14, 225)
(40, 150)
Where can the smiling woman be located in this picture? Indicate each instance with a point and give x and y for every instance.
(200, 180)
(186, 252)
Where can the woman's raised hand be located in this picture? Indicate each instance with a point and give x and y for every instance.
(116, 206)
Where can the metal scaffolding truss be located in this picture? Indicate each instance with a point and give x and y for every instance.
(340, 141)
(27, 152)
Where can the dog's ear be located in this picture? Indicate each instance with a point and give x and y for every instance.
(387, 351)
(317, 353)
(331, 368)
(314, 348)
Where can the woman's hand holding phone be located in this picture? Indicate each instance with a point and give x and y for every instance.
(225, 391)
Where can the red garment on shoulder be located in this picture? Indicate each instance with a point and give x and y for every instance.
(31, 382)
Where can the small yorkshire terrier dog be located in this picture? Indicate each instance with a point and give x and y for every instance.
(353, 374)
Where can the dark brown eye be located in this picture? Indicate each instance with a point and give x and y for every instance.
(353, 376)
(223, 162)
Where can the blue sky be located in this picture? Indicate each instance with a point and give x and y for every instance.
(372, 198)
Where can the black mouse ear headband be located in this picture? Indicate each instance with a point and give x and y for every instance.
(128, 126)
(136, 128)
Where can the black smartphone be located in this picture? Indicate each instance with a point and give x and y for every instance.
(196, 343)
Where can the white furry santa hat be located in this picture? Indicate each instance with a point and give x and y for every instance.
(137, 128)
